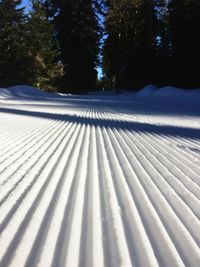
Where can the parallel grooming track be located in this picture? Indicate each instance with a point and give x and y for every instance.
(90, 187)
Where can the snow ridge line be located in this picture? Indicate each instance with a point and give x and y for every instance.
(25, 151)
(89, 192)
(22, 135)
(182, 155)
(34, 174)
(169, 192)
(30, 164)
(150, 218)
(30, 210)
(185, 184)
(22, 141)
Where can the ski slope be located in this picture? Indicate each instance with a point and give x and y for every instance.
(99, 181)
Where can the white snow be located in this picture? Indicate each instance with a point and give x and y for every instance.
(20, 91)
(99, 180)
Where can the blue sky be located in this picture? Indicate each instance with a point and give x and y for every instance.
(26, 3)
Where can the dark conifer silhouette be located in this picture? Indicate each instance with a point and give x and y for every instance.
(184, 31)
(128, 47)
(43, 47)
(78, 35)
(13, 57)
(59, 43)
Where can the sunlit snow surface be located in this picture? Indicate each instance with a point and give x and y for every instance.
(99, 180)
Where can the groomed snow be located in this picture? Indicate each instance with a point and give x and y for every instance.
(99, 180)
(151, 91)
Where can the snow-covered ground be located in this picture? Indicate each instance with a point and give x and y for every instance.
(100, 180)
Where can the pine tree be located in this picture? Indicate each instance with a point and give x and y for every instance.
(78, 35)
(128, 48)
(162, 45)
(184, 30)
(42, 47)
(13, 59)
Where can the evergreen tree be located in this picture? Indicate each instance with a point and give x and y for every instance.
(13, 58)
(128, 47)
(42, 47)
(162, 45)
(78, 35)
(184, 30)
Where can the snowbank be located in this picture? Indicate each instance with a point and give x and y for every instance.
(178, 93)
(21, 91)
(152, 92)
(4, 93)
(148, 92)
(169, 92)
(24, 90)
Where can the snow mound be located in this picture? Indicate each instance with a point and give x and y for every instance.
(173, 92)
(21, 91)
(4, 93)
(147, 90)
(24, 90)
(169, 92)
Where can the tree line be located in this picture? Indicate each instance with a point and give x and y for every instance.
(59, 44)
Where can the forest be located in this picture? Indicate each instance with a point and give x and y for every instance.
(60, 45)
